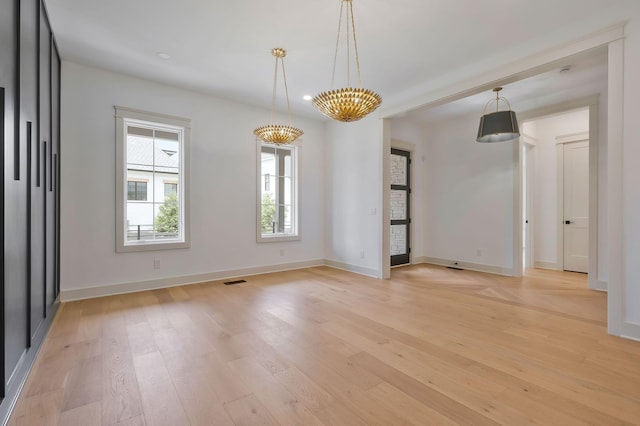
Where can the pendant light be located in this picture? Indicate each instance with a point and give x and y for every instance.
(279, 134)
(349, 103)
(498, 126)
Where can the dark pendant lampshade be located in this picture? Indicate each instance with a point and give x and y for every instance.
(498, 126)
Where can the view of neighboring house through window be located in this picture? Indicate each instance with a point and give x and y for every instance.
(136, 191)
(170, 189)
(153, 168)
(278, 210)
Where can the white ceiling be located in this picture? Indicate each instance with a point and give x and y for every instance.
(585, 76)
(223, 47)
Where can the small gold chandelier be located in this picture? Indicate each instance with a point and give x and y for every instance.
(278, 133)
(349, 103)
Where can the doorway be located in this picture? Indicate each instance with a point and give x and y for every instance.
(400, 207)
(558, 180)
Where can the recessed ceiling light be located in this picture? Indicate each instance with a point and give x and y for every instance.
(307, 97)
(566, 68)
(163, 55)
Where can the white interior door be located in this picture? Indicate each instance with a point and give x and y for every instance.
(576, 206)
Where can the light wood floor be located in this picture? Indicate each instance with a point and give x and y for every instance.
(322, 346)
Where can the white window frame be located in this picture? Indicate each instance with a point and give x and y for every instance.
(125, 116)
(295, 172)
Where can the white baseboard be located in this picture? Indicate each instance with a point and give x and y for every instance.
(352, 268)
(598, 285)
(479, 267)
(418, 259)
(547, 265)
(132, 287)
(631, 331)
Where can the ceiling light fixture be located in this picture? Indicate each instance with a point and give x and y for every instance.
(278, 133)
(349, 103)
(498, 126)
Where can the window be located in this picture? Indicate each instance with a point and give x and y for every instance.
(170, 188)
(152, 181)
(277, 197)
(136, 191)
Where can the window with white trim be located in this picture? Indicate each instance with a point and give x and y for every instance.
(152, 181)
(277, 193)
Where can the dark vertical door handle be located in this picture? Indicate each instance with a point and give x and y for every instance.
(567, 222)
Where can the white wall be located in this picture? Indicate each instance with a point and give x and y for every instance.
(545, 200)
(469, 195)
(409, 132)
(631, 172)
(223, 183)
(353, 159)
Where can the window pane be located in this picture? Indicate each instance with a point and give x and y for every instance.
(167, 218)
(285, 187)
(167, 156)
(268, 219)
(287, 163)
(139, 221)
(131, 190)
(398, 170)
(398, 239)
(398, 204)
(170, 189)
(287, 224)
(141, 191)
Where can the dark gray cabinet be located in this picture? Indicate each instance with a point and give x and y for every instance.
(30, 131)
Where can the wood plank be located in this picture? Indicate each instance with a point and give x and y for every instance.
(248, 411)
(90, 414)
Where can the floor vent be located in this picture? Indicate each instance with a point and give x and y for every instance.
(234, 282)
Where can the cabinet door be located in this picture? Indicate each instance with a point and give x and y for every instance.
(55, 138)
(46, 138)
(29, 58)
(15, 258)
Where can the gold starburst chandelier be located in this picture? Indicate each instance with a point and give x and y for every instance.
(278, 133)
(349, 103)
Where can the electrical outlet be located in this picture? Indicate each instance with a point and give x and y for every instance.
(281, 252)
(156, 263)
(362, 254)
(478, 252)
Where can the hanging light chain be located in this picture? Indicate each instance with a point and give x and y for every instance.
(273, 96)
(348, 47)
(351, 28)
(335, 56)
(355, 44)
(286, 89)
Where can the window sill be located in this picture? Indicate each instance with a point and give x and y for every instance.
(152, 246)
(278, 238)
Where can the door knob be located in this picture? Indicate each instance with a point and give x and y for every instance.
(567, 222)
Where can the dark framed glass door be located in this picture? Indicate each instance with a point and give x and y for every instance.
(400, 199)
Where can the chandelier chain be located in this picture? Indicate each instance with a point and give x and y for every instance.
(273, 96)
(355, 44)
(335, 56)
(286, 91)
(348, 49)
